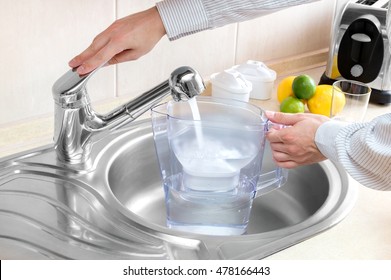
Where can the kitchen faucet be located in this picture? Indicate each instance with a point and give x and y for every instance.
(77, 127)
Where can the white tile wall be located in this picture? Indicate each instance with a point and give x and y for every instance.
(286, 33)
(38, 37)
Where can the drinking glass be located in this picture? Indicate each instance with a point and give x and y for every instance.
(349, 101)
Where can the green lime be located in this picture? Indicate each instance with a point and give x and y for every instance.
(292, 105)
(303, 87)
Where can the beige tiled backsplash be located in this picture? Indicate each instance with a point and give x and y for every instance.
(40, 36)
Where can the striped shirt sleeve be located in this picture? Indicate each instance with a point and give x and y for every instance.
(184, 17)
(363, 149)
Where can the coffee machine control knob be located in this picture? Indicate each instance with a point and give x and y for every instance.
(361, 37)
(357, 70)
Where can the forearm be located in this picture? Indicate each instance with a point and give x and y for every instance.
(363, 149)
(185, 17)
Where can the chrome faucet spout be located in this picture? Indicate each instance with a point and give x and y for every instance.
(77, 126)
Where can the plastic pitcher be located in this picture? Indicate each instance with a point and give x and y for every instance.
(210, 154)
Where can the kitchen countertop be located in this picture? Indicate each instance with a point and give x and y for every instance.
(364, 234)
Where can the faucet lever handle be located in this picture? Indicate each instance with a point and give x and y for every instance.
(70, 82)
(71, 87)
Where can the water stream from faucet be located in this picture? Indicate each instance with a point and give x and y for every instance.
(196, 117)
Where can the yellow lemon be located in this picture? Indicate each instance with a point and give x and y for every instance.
(284, 88)
(334, 69)
(320, 103)
(338, 102)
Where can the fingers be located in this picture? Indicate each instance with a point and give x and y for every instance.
(287, 164)
(285, 160)
(126, 39)
(280, 151)
(280, 156)
(102, 51)
(292, 119)
(102, 56)
(99, 52)
(283, 118)
(124, 56)
(274, 136)
(98, 43)
(286, 136)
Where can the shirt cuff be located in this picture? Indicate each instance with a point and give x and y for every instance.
(182, 18)
(325, 138)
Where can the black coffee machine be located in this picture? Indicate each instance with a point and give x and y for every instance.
(360, 47)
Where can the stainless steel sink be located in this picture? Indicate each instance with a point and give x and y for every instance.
(115, 209)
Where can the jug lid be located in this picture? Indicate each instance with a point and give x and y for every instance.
(232, 81)
(256, 71)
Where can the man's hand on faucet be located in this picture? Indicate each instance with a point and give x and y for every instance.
(126, 39)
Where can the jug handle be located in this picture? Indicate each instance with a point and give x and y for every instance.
(273, 179)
